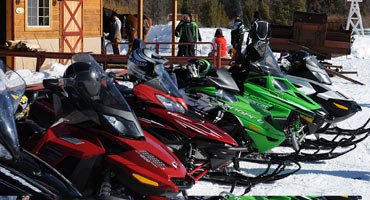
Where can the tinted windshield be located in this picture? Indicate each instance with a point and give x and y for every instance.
(317, 70)
(269, 64)
(107, 107)
(12, 87)
(313, 63)
(164, 82)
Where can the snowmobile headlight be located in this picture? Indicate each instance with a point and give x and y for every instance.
(170, 104)
(4, 153)
(340, 106)
(309, 119)
(123, 126)
(145, 180)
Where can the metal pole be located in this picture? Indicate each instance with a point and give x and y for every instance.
(140, 19)
(174, 20)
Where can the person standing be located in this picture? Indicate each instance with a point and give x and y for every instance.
(196, 32)
(259, 30)
(116, 36)
(185, 32)
(237, 34)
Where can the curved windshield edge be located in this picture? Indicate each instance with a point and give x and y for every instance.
(10, 94)
(226, 95)
(269, 64)
(313, 62)
(166, 81)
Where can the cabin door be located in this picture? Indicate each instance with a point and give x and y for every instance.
(72, 27)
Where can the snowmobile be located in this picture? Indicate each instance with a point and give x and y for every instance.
(308, 75)
(22, 173)
(94, 138)
(262, 82)
(211, 94)
(303, 64)
(203, 147)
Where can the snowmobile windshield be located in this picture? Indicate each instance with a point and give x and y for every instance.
(317, 70)
(12, 87)
(163, 82)
(268, 64)
(106, 106)
(223, 80)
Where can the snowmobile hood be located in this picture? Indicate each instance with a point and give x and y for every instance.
(337, 104)
(197, 126)
(12, 87)
(281, 96)
(258, 123)
(154, 169)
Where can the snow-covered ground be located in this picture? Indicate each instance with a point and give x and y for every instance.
(345, 175)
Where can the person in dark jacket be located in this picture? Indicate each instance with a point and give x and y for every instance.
(259, 30)
(237, 34)
(185, 32)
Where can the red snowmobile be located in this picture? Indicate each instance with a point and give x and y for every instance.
(203, 148)
(93, 137)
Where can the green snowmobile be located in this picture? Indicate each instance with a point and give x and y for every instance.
(262, 83)
(213, 94)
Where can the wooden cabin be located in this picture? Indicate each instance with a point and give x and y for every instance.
(53, 25)
(313, 32)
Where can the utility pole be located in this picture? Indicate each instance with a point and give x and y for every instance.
(354, 18)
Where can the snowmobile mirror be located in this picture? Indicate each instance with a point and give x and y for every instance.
(50, 83)
(297, 63)
(138, 44)
(32, 97)
(112, 75)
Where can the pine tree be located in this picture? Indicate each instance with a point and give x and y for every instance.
(280, 13)
(263, 10)
(249, 9)
(186, 6)
(297, 5)
(215, 15)
(204, 16)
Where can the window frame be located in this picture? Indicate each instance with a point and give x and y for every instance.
(37, 27)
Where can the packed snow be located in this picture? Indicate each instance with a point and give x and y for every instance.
(345, 175)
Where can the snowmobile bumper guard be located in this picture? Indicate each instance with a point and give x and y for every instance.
(237, 178)
(317, 146)
(359, 131)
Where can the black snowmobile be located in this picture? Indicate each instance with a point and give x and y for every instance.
(309, 76)
(22, 173)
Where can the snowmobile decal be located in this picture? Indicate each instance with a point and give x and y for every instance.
(228, 107)
(19, 179)
(197, 129)
(258, 103)
(150, 121)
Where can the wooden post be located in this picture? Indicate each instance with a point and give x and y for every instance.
(218, 56)
(140, 19)
(174, 20)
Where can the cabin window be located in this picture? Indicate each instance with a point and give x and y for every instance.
(38, 13)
